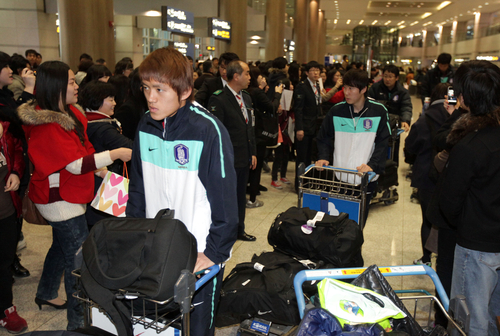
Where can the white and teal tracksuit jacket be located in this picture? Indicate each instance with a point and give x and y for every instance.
(357, 137)
(185, 163)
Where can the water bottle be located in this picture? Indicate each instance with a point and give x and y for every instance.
(427, 102)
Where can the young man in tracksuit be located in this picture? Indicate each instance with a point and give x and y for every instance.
(183, 160)
(359, 129)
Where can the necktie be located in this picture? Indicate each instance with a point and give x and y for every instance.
(316, 92)
(240, 101)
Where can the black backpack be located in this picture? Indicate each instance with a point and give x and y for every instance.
(262, 288)
(336, 240)
(139, 255)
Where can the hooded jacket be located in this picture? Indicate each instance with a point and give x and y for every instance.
(433, 78)
(470, 199)
(53, 144)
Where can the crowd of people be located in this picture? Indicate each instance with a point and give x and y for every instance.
(199, 135)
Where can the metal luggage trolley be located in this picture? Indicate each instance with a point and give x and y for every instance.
(333, 190)
(145, 322)
(456, 327)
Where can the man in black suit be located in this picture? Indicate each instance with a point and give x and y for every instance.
(307, 97)
(210, 85)
(233, 107)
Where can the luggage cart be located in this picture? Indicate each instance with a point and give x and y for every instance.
(333, 190)
(145, 322)
(350, 273)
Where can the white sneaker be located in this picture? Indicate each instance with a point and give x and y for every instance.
(420, 262)
(21, 244)
(255, 204)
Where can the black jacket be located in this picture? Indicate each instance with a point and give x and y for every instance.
(397, 100)
(130, 113)
(433, 78)
(265, 115)
(419, 143)
(200, 80)
(225, 107)
(210, 85)
(470, 198)
(306, 108)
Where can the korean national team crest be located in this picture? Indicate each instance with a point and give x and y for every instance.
(181, 153)
(367, 124)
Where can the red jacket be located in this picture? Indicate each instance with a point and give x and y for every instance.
(53, 143)
(13, 151)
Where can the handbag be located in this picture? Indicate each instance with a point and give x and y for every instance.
(139, 255)
(30, 212)
(112, 195)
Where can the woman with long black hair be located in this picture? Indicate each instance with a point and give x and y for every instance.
(62, 182)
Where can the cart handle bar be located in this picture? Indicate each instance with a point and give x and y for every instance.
(208, 274)
(350, 273)
(371, 175)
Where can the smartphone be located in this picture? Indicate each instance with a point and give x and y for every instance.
(452, 99)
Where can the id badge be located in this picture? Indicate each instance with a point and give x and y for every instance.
(252, 116)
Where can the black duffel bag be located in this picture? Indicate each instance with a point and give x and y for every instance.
(139, 255)
(336, 240)
(262, 288)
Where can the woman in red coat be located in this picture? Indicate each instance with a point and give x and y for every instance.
(62, 182)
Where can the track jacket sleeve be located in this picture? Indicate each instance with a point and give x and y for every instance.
(406, 111)
(299, 100)
(378, 158)
(326, 137)
(218, 176)
(136, 204)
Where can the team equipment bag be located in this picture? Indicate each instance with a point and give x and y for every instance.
(139, 255)
(317, 236)
(262, 288)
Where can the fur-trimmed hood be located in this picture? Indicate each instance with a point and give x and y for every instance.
(469, 123)
(276, 70)
(31, 116)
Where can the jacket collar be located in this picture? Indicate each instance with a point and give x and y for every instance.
(96, 115)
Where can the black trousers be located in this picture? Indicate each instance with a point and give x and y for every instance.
(424, 196)
(304, 154)
(280, 162)
(8, 245)
(254, 174)
(206, 300)
(241, 188)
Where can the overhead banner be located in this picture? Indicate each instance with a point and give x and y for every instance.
(219, 29)
(177, 20)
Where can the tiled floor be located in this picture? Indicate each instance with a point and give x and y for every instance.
(392, 237)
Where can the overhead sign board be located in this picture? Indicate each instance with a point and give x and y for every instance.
(177, 20)
(487, 58)
(219, 29)
(187, 49)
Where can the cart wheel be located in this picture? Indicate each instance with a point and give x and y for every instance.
(388, 202)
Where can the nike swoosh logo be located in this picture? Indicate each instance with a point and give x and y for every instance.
(152, 149)
(340, 125)
(263, 313)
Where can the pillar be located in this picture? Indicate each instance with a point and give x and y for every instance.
(86, 26)
(321, 37)
(235, 11)
(441, 41)
(313, 30)
(275, 28)
(423, 55)
(454, 38)
(477, 36)
(300, 30)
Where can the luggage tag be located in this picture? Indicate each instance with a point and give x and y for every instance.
(311, 223)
